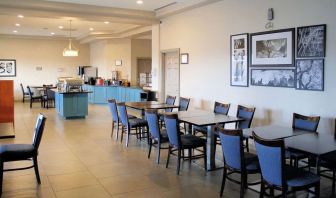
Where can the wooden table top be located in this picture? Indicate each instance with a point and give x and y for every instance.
(273, 132)
(149, 105)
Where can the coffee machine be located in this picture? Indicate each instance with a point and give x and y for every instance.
(115, 78)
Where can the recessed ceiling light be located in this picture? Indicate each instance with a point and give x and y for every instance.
(60, 27)
(17, 24)
(52, 33)
(15, 31)
(139, 2)
(20, 16)
(106, 22)
(91, 29)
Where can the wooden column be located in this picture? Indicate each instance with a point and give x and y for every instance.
(6, 101)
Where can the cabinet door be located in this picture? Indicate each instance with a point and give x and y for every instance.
(112, 93)
(122, 94)
(100, 95)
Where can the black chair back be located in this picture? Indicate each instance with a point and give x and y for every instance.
(23, 92)
(30, 92)
(184, 104)
(39, 128)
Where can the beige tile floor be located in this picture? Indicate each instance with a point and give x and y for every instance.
(78, 158)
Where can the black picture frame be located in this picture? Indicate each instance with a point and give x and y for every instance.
(281, 78)
(273, 48)
(311, 41)
(313, 71)
(7, 67)
(239, 60)
(184, 58)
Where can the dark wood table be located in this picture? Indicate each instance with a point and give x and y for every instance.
(208, 119)
(273, 132)
(142, 106)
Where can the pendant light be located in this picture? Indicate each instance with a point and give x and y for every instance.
(70, 50)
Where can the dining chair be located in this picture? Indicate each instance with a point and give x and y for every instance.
(156, 136)
(112, 103)
(170, 100)
(219, 108)
(307, 123)
(48, 97)
(34, 98)
(247, 113)
(20, 152)
(24, 93)
(276, 174)
(128, 124)
(236, 160)
(179, 143)
(183, 106)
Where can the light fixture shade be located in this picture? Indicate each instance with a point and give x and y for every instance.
(70, 50)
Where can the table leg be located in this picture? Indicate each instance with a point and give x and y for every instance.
(210, 148)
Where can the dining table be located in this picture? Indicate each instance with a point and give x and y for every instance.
(273, 132)
(143, 105)
(208, 119)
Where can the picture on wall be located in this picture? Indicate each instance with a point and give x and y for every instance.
(239, 60)
(273, 77)
(273, 48)
(311, 41)
(7, 67)
(310, 74)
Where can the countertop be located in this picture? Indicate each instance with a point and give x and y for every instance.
(131, 87)
(72, 92)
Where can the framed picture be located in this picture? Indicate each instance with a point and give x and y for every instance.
(310, 74)
(7, 67)
(239, 60)
(273, 48)
(311, 41)
(118, 63)
(185, 58)
(273, 77)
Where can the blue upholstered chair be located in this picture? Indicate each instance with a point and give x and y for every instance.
(170, 100)
(112, 103)
(128, 124)
(219, 108)
(156, 136)
(183, 106)
(275, 173)
(247, 114)
(19, 152)
(236, 160)
(179, 143)
(302, 122)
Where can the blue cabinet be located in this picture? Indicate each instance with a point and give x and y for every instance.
(71, 105)
(112, 93)
(100, 95)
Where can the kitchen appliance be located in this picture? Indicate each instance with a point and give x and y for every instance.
(87, 72)
(99, 81)
(69, 84)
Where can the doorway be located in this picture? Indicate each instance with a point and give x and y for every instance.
(144, 74)
(171, 73)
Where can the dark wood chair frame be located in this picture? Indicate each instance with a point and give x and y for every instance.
(34, 98)
(249, 109)
(284, 188)
(228, 170)
(24, 94)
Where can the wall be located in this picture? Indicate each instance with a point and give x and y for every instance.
(46, 53)
(205, 32)
(141, 48)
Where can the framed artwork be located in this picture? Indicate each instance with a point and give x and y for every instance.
(239, 60)
(311, 41)
(7, 67)
(310, 74)
(273, 48)
(185, 58)
(118, 63)
(273, 77)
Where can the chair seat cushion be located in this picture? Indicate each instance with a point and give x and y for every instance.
(294, 154)
(297, 177)
(137, 122)
(13, 152)
(191, 141)
(131, 116)
(251, 162)
(202, 129)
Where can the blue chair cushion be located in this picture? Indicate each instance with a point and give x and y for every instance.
(137, 122)
(13, 152)
(191, 141)
(297, 177)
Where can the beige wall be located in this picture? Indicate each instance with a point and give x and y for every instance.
(104, 54)
(46, 53)
(205, 32)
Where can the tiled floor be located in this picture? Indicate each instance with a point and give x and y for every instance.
(78, 158)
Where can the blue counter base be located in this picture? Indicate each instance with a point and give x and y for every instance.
(71, 106)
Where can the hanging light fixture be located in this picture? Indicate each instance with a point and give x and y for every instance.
(70, 50)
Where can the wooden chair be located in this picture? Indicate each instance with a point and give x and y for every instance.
(24, 93)
(34, 98)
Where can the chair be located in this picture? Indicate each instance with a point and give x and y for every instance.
(48, 97)
(179, 143)
(276, 175)
(236, 160)
(156, 136)
(302, 122)
(24, 94)
(219, 108)
(170, 100)
(130, 124)
(247, 114)
(183, 106)
(19, 152)
(34, 98)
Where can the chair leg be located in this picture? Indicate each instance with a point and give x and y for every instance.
(112, 129)
(333, 182)
(150, 147)
(128, 131)
(168, 156)
(284, 192)
(147, 134)
(242, 185)
(223, 182)
(205, 158)
(247, 145)
(117, 130)
(317, 190)
(159, 149)
(122, 134)
(271, 191)
(31, 103)
(262, 189)
(178, 161)
(189, 155)
(1, 176)
(36, 170)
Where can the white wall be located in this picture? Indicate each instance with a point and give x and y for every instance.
(141, 48)
(205, 32)
(46, 53)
